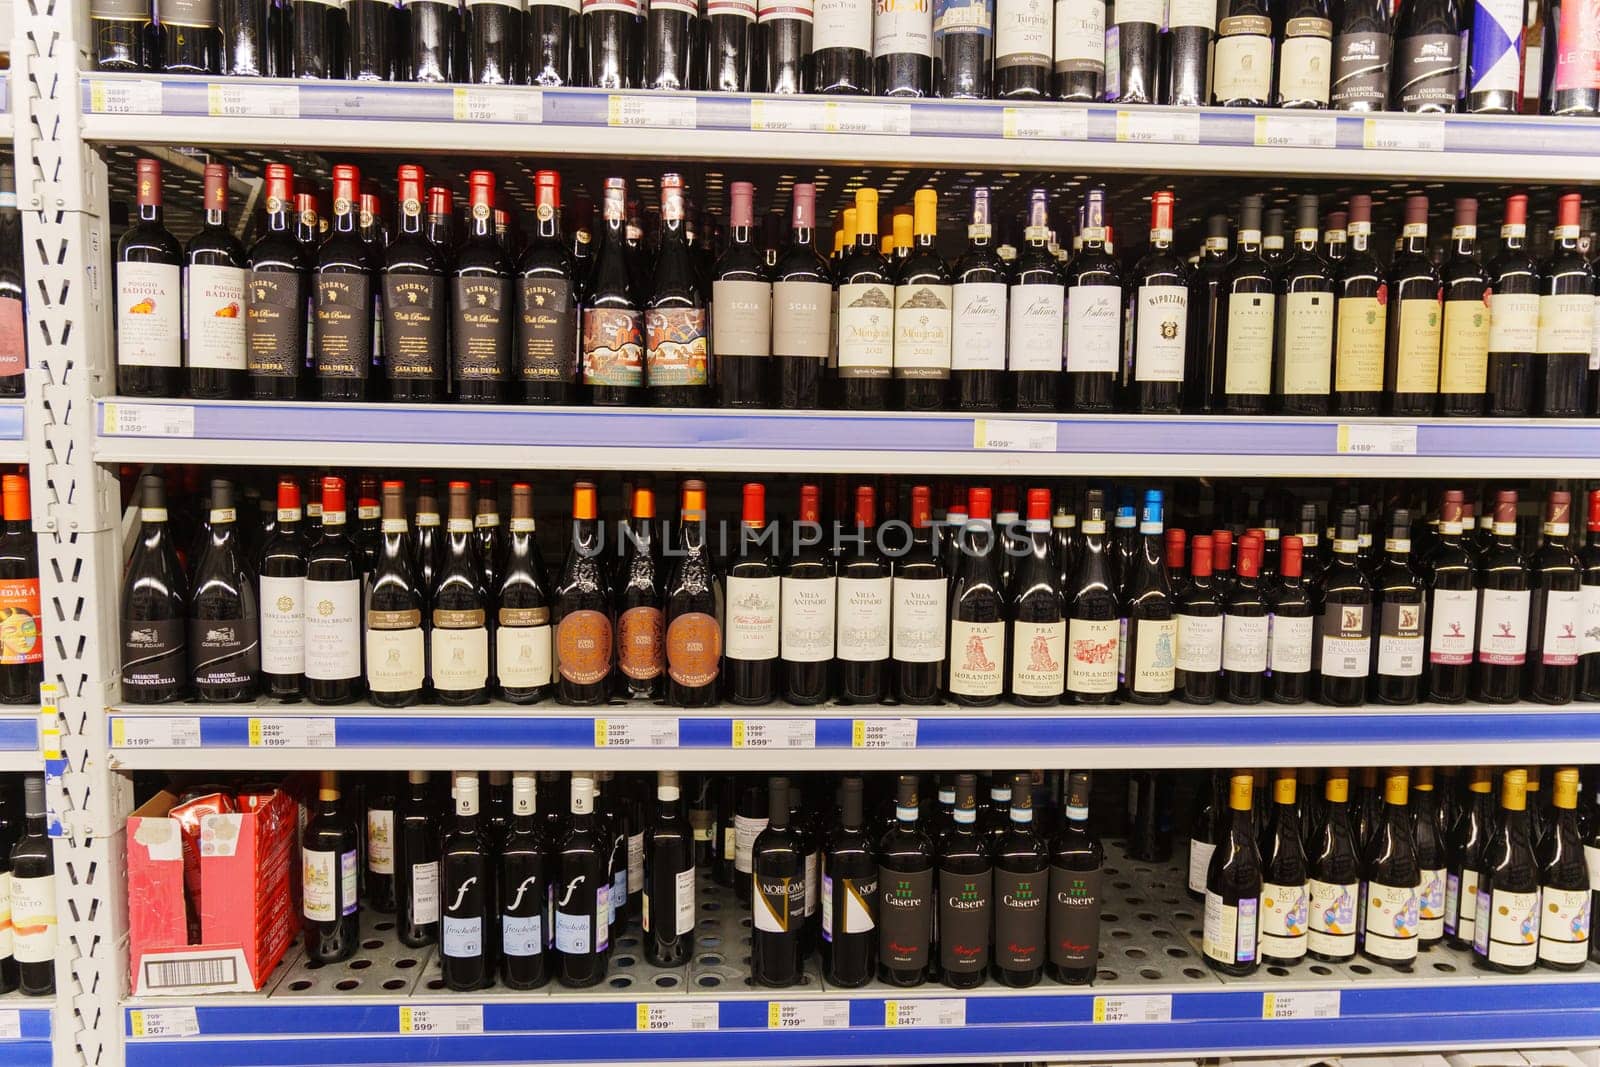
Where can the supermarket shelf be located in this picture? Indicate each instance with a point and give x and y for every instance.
(148, 109)
(19, 743)
(880, 737)
(24, 1029)
(557, 438)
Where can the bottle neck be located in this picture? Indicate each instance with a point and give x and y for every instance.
(411, 223)
(216, 218)
(345, 222)
(803, 236)
(150, 213)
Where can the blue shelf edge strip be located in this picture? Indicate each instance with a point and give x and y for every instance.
(11, 411)
(19, 734)
(33, 1048)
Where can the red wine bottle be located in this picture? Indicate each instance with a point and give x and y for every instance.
(1452, 607)
(224, 623)
(741, 310)
(1136, 43)
(123, 37)
(333, 606)
(1037, 643)
(154, 595)
(1568, 85)
(864, 599)
(460, 609)
(1514, 285)
(149, 297)
(1400, 607)
(1503, 608)
(524, 871)
(319, 40)
(1233, 887)
(1021, 884)
(1037, 302)
(802, 294)
(342, 337)
(978, 609)
(214, 299)
(13, 330)
(677, 365)
(1305, 65)
(1158, 316)
(866, 314)
(841, 48)
(906, 880)
(783, 41)
(1556, 609)
(1290, 628)
(1468, 836)
(902, 49)
(1093, 614)
(978, 316)
(1245, 630)
(1245, 326)
(495, 36)
(22, 667)
(1427, 46)
(283, 603)
(1149, 641)
(1345, 646)
(1198, 660)
(1391, 878)
(849, 894)
(413, 302)
(480, 303)
(1079, 73)
(1242, 74)
(1564, 885)
(920, 589)
(1565, 319)
(1589, 662)
(963, 49)
(275, 319)
(546, 326)
(1201, 382)
(751, 643)
(1284, 877)
(1508, 885)
(922, 316)
(1022, 48)
(1304, 370)
(1464, 355)
(613, 322)
(1428, 827)
(612, 35)
(189, 40)
(523, 603)
(329, 851)
(693, 602)
(777, 880)
(808, 613)
(550, 44)
(374, 37)
(1361, 317)
(395, 655)
(639, 592)
(582, 931)
(466, 890)
(1411, 374)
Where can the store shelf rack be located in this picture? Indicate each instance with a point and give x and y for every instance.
(24, 1031)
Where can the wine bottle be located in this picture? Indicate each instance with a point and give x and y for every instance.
(524, 889)
(1234, 887)
(1242, 75)
(1021, 887)
(149, 287)
(920, 591)
(1514, 286)
(801, 298)
(1077, 871)
(1022, 49)
(1568, 85)
(275, 316)
(978, 316)
(373, 37)
(332, 599)
(1564, 884)
(749, 818)
(864, 604)
(849, 894)
(582, 891)
(1589, 556)
(582, 616)
(1468, 838)
(460, 609)
(546, 327)
(213, 284)
(1092, 614)
(1412, 367)
(1205, 364)
(922, 316)
(611, 33)
(489, 534)
(905, 892)
(1561, 371)
(1464, 356)
(807, 615)
(1391, 881)
(1493, 44)
(1503, 608)
(377, 879)
(154, 599)
(638, 596)
(1037, 645)
(1285, 878)
(777, 878)
(841, 48)
(1291, 629)
(549, 49)
(1361, 316)
(866, 312)
(33, 897)
(1305, 293)
(1427, 44)
(329, 870)
(1093, 328)
(741, 310)
(963, 48)
(677, 367)
(784, 41)
(1305, 64)
(342, 324)
(668, 907)
(1452, 606)
(1345, 649)
(283, 603)
(693, 604)
(1400, 609)
(480, 303)
(189, 40)
(1198, 659)
(1556, 608)
(1135, 44)
(1149, 645)
(123, 35)
(1081, 49)
(966, 907)
(1505, 935)
(319, 40)
(13, 331)
(1245, 630)
(1157, 313)
(1036, 303)
(522, 631)
(224, 623)
(1335, 875)
(1427, 826)
(902, 50)
(752, 637)
(1245, 320)
(395, 611)
(978, 611)
(413, 313)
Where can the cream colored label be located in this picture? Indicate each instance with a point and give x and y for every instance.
(1249, 356)
(1565, 323)
(522, 656)
(394, 660)
(1464, 363)
(922, 331)
(1038, 649)
(1417, 360)
(1305, 65)
(1307, 343)
(1243, 69)
(1154, 656)
(977, 658)
(1358, 362)
(460, 659)
(1092, 655)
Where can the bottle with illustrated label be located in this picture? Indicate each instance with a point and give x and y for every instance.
(1464, 349)
(1244, 61)
(1452, 607)
(1158, 317)
(582, 616)
(1335, 874)
(32, 884)
(1433, 858)
(963, 48)
(1564, 882)
(906, 880)
(866, 313)
(849, 895)
(1036, 302)
(1555, 616)
(967, 906)
(807, 614)
(1077, 868)
(522, 633)
(1305, 61)
(777, 876)
(1093, 614)
(677, 363)
(1561, 371)
(545, 331)
(149, 281)
(416, 863)
(1411, 374)
(923, 314)
(341, 325)
(332, 606)
(1133, 63)
(1494, 56)
(1037, 644)
(524, 890)
(154, 609)
(1506, 934)
(612, 344)
(466, 889)
(864, 638)
(1188, 41)
(1361, 318)
(802, 295)
(282, 593)
(902, 49)
(1245, 323)
(1245, 629)
(275, 305)
(460, 610)
(214, 299)
(329, 866)
(741, 310)
(1285, 878)
(919, 613)
(1400, 611)
(752, 638)
(692, 604)
(1427, 58)
(668, 910)
(1504, 602)
(1514, 285)
(1198, 657)
(1589, 590)
(224, 620)
(1148, 645)
(1304, 313)
(1234, 886)
(1291, 629)
(1391, 881)
(1467, 841)
(1021, 891)
(639, 592)
(581, 890)
(841, 48)
(1346, 608)
(1093, 312)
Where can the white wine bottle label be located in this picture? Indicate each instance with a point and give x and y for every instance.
(1514, 322)
(1200, 853)
(149, 326)
(1431, 904)
(842, 24)
(683, 901)
(380, 841)
(1230, 930)
(333, 629)
(1565, 324)
(977, 658)
(1307, 343)
(920, 620)
(283, 625)
(1284, 920)
(1036, 313)
(1248, 369)
(1333, 917)
(922, 331)
(215, 327)
(1454, 626)
(1289, 641)
(751, 616)
(1092, 655)
(1244, 643)
(1243, 68)
(1390, 921)
(1358, 361)
(1022, 34)
(1080, 37)
(1563, 614)
(866, 330)
(460, 658)
(1461, 903)
(1094, 328)
(520, 935)
(1507, 927)
(1155, 658)
(1346, 640)
(1400, 650)
(1038, 649)
(1464, 359)
(33, 918)
(1503, 616)
(807, 619)
(523, 654)
(745, 832)
(1564, 925)
(903, 27)
(863, 626)
(425, 892)
(1200, 643)
(978, 326)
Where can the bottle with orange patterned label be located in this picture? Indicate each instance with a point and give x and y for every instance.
(21, 639)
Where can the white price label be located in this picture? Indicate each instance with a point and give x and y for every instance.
(674, 113)
(808, 1014)
(677, 1017)
(163, 1022)
(1153, 1008)
(789, 116)
(499, 104)
(1301, 1004)
(636, 733)
(164, 732)
(1015, 435)
(774, 733)
(892, 119)
(1158, 126)
(442, 1019)
(1375, 439)
(1054, 123)
(148, 420)
(1297, 131)
(292, 733)
(1410, 135)
(227, 100)
(942, 1011)
(884, 733)
(141, 96)
(10, 1025)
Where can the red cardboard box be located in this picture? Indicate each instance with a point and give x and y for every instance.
(246, 910)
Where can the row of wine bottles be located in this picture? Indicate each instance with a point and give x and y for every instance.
(1317, 327)
(1038, 607)
(1385, 873)
(27, 890)
(1356, 55)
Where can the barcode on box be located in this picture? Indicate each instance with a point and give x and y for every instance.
(176, 974)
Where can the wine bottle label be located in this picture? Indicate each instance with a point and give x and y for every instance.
(1094, 328)
(619, 886)
(1196, 13)
(1495, 36)
(745, 831)
(857, 902)
(547, 331)
(21, 614)
(33, 918)
(1092, 655)
(1307, 343)
(224, 651)
(866, 328)
(394, 652)
(1589, 630)
(1036, 327)
(13, 338)
(966, 903)
(1285, 919)
(283, 625)
(153, 652)
(119, 11)
(778, 903)
(480, 329)
(1563, 614)
(520, 935)
(1564, 925)
(1155, 656)
(1333, 918)
(522, 650)
(1464, 361)
(319, 882)
(1037, 660)
(741, 318)
(332, 629)
(1346, 640)
(214, 328)
(1574, 66)
(1431, 904)
(842, 24)
(1230, 929)
(1020, 915)
(1514, 322)
(1250, 333)
(1023, 33)
(342, 325)
(413, 328)
(1200, 853)
(1289, 642)
(962, 16)
(1306, 60)
(459, 652)
(1113, 63)
(636, 863)
(273, 322)
(1200, 643)
(813, 869)
(1160, 340)
(694, 648)
(978, 326)
(675, 347)
(1243, 69)
(380, 841)
(1507, 927)
(684, 902)
(1080, 37)
(575, 932)
(752, 618)
(627, 7)
(802, 311)
(905, 917)
(1503, 618)
(201, 13)
(1390, 921)
(1151, 11)
(1428, 71)
(1400, 640)
(1591, 860)
(1594, 338)
(1455, 617)
(1358, 364)
(922, 331)
(797, 10)
(902, 27)
(641, 649)
(1417, 361)
(613, 347)
(977, 658)
(1074, 917)
(1244, 643)
(7, 943)
(1461, 903)
(863, 625)
(919, 616)
(1565, 324)
(149, 327)
(583, 646)
(807, 619)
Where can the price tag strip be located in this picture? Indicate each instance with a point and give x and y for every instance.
(292, 733)
(231, 100)
(1301, 1004)
(1405, 135)
(442, 1019)
(883, 733)
(670, 112)
(1151, 1008)
(656, 1018)
(941, 1011)
(1058, 123)
(152, 1023)
(11, 1024)
(808, 1014)
(1374, 439)
(503, 104)
(162, 732)
(774, 733)
(829, 116)
(1015, 435)
(1158, 127)
(148, 420)
(139, 97)
(1297, 131)
(636, 733)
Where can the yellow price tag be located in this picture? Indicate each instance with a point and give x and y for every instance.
(738, 742)
(136, 1020)
(405, 1020)
(891, 1013)
(255, 733)
(774, 1014)
(119, 733)
(600, 736)
(858, 739)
